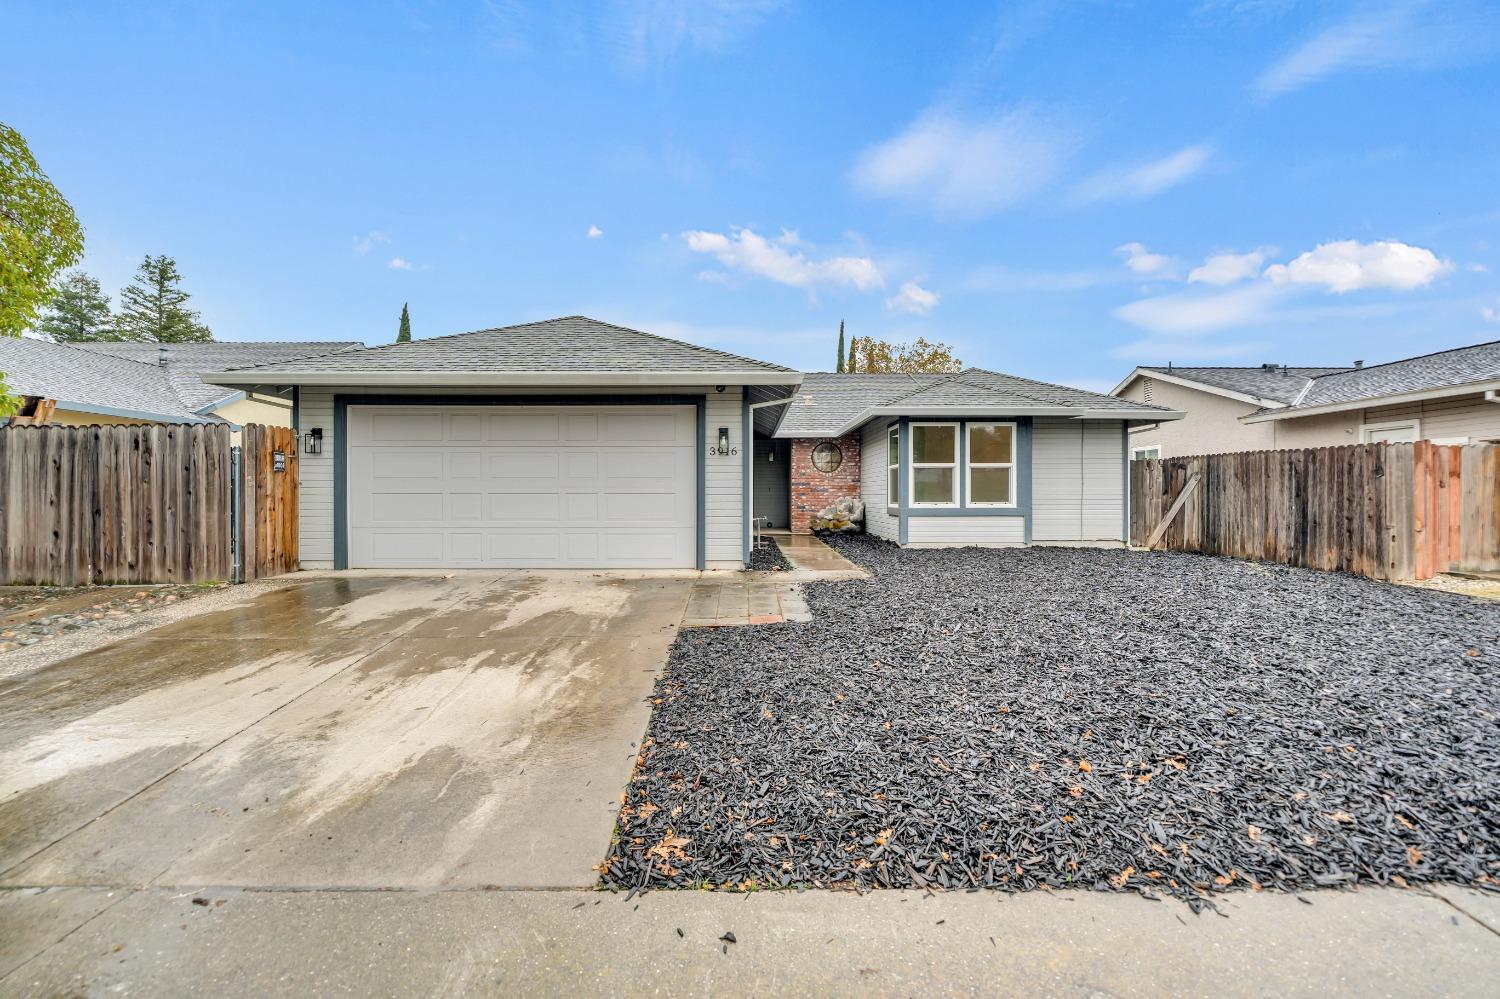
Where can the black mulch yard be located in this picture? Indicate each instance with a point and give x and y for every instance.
(768, 558)
(1013, 719)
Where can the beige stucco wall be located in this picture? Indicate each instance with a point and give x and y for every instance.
(272, 412)
(1211, 426)
(73, 418)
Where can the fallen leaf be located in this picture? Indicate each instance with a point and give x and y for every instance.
(1253, 832)
(1413, 856)
(1119, 880)
(1085, 766)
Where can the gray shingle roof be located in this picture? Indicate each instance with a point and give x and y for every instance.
(1282, 385)
(185, 362)
(1461, 366)
(826, 404)
(91, 381)
(565, 345)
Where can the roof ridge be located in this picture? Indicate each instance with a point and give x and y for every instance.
(1415, 357)
(1046, 385)
(112, 357)
(919, 387)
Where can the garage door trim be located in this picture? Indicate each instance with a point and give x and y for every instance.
(342, 402)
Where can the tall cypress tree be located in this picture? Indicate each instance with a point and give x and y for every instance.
(840, 368)
(154, 307)
(403, 332)
(79, 313)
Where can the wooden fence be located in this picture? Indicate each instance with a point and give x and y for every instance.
(143, 503)
(1387, 511)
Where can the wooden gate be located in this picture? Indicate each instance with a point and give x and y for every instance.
(145, 503)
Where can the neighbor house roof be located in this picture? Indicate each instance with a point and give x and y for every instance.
(1268, 385)
(1460, 371)
(830, 405)
(186, 362)
(92, 382)
(573, 350)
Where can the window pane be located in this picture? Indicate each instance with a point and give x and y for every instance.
(893, 449)
(891, 486)
(989, 485)
(932, 485)
(990, 445)
(933, 444)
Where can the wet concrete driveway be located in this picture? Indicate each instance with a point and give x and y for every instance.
(345, 731)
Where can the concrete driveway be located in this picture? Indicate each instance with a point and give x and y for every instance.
(353, 730)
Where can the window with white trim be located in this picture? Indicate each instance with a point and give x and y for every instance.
(893, 466)
(1146, 452)
(991, 464)
(934, 464)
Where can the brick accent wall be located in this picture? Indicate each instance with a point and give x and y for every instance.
(812, 490)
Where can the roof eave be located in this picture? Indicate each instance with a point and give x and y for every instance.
(998, 412)
(254, 376)
(127, 414)
(1368, 402)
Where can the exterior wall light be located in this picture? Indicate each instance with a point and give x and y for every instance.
(312, 441)
(723, 440)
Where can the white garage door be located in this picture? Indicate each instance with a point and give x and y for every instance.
(522, 486)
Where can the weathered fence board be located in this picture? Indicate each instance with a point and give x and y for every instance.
(1388, 511)
(145, 503)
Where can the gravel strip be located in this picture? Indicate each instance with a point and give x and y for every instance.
(1050, 717)
(769, 558)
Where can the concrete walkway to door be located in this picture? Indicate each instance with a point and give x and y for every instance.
(357, 730)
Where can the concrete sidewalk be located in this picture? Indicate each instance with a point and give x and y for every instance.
(161, 942)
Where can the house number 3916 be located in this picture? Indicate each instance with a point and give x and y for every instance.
(714, 449)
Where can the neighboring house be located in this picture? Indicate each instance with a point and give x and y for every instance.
(119, 383)
(1215, 400)
(1448, 397)
(572, 443)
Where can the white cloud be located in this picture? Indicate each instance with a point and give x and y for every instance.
(1198, 312)
(650, 31)
(963, 168)
(913, 298)
(1491, 314)
(595, 232)
(746, 251)
(1228, 268)
(1142, 261)
(1348, 265)
(364, 244)
(1144, 180)
(399, 264)
(1408, 33)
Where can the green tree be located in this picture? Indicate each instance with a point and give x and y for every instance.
(39, 238)
(79, 313)
(403, 332)
(154, 307)
(853, 344)
(917, 356)
(840, 368)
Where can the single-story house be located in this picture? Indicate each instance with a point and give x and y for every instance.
(110, 382)
(572, 443)
(1447, 397)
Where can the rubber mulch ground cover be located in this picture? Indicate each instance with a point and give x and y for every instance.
(768, 558)
(1013, 719)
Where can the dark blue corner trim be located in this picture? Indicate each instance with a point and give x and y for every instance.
(341, 404)
(296, 409)
(903, 475)
(747, 445)
(1125, 466)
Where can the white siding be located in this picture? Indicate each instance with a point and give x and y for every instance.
(1077, 480)
(723, 481)
(724, 518)
(1445, 419)
(873, 462)
(966, 530)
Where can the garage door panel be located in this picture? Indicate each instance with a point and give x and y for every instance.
(596, 487)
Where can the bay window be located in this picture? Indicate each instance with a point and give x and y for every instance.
(934, 464)
(991, 465)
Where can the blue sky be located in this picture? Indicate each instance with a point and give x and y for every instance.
(1059, 190)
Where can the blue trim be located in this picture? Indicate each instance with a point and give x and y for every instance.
(903, 474)
(747, 440)
(341, 404)
(297, 409)
(1022, 469)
